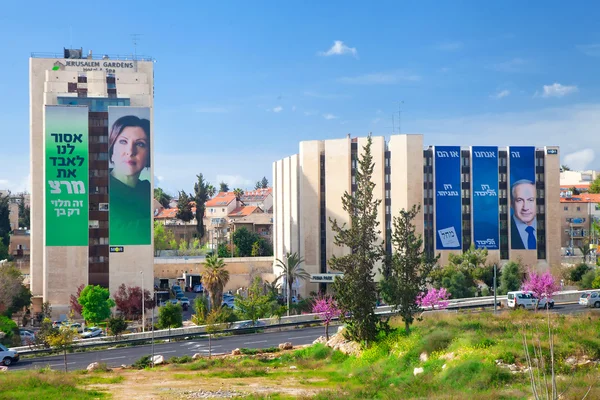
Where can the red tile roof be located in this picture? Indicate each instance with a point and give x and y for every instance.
(221, 199)
(582, 198)
(244, 211)
(256, 195)
(170, 213)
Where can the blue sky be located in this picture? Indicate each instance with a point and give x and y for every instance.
(239, 84)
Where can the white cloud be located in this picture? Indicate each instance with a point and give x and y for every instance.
(592, 50)
(558, 90)
(338, 49)
(381, 78)
(329, 116)
(277, 109)
(501, 94)
(235, 181)
(212, 110)
(579, 160)
(293, 108)
(573, 128)
(16, 184)
(514, 65)
(449, 46)
(310, 112)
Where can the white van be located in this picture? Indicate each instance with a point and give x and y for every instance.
(523, 299)
(7, 356)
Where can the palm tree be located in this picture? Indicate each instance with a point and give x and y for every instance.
(162, 197)
(214, 279)
(238, 193)
(210, 190)
(292, 271)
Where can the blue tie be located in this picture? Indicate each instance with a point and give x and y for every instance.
(530, 238)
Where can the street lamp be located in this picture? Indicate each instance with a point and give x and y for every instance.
(143, 310)
(155, 303)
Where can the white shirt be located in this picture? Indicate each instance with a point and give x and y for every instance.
(521, 226)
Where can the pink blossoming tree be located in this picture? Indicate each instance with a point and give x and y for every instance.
(327, 309)
(434, 298)
(540, 285)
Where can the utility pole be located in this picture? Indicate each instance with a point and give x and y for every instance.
(495, 286)
(155, 302)
(143, 308)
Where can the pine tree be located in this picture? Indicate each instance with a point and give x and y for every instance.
(410, 268)
(264, 183)
(356, 291)
(201, 197)
(223, 187)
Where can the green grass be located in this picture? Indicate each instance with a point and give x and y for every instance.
(27, 385)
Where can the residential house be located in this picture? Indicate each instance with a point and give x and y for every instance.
(216, 217)
(254, 219)
(579, 212)
(262, 198)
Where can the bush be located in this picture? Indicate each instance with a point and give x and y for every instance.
(9, 327)
(587, 280)
(142, 363)
(436, 341)
(578, 272)
(180, 360)
(476, 374)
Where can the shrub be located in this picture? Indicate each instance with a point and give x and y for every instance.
(258, 351)
(508, 357)
(477, 375)
(142, 363)
(180, 360)
(587, 279)
(436, 341)
(578, 272)
(591, 348)
(315, 352)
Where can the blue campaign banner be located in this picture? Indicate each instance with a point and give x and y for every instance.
(523, 222)
(448, 210)
(484, 175)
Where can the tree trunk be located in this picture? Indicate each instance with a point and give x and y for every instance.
(327, 331)
(65, 356)
(209, 346)
(407, 328)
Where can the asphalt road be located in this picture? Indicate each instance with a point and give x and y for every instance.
(128, 355)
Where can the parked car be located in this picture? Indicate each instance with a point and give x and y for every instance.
(523, 299)
(184, 301)
(75, 326)
(94, 331)
(591, 299)
(27, 337)
(228, 301)
(198, 288)
(58, 324)
(7, 356)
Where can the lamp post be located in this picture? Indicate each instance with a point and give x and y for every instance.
(495, 286)
(143, 309)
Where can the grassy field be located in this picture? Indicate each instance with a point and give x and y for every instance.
(462, 362)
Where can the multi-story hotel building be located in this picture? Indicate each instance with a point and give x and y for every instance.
(91, 173)
(505, 199)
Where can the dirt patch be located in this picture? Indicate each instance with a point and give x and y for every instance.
(160, 384)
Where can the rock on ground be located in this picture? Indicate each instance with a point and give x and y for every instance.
(236, 352)
(158, 359)
(286, 346)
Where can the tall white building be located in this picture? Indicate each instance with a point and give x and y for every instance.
(71, 98)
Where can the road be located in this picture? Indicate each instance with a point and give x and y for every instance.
(128, 355)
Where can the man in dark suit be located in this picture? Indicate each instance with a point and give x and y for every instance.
(523, 224)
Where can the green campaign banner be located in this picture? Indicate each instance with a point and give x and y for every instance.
(130, 187)
(66, 159)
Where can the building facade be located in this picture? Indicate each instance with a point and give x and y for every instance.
(578, 214)
(92, 173)
(504, 199)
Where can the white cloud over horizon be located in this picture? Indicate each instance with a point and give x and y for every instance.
(329, 116)
(381, 78)
(579, 160)
(277, 109)
(558, 90)
(501, 94)
(338, 49)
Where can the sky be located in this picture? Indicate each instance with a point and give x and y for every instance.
(239, 84)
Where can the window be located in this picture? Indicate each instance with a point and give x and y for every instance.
(103, 207)
(94, 224)
(387, 210)
(566, 208)
(578, 208)
(387, 194)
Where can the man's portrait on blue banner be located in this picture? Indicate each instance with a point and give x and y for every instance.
(448, 208)
(523, 221)
(486, 225)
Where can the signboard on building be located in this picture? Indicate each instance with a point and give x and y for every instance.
(551, 151)
(523, 221)
(448, 210)
(66, 175)
(486, 227)
(324, 278)
(129, 152)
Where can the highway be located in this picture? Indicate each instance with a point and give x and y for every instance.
(222, 345)
(128, 355)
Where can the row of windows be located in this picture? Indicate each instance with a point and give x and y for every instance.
(98, 173)
(99, 259)
(98, 156)
(98, 139)
(98, 241)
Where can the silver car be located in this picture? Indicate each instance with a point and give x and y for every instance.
(590, 299)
